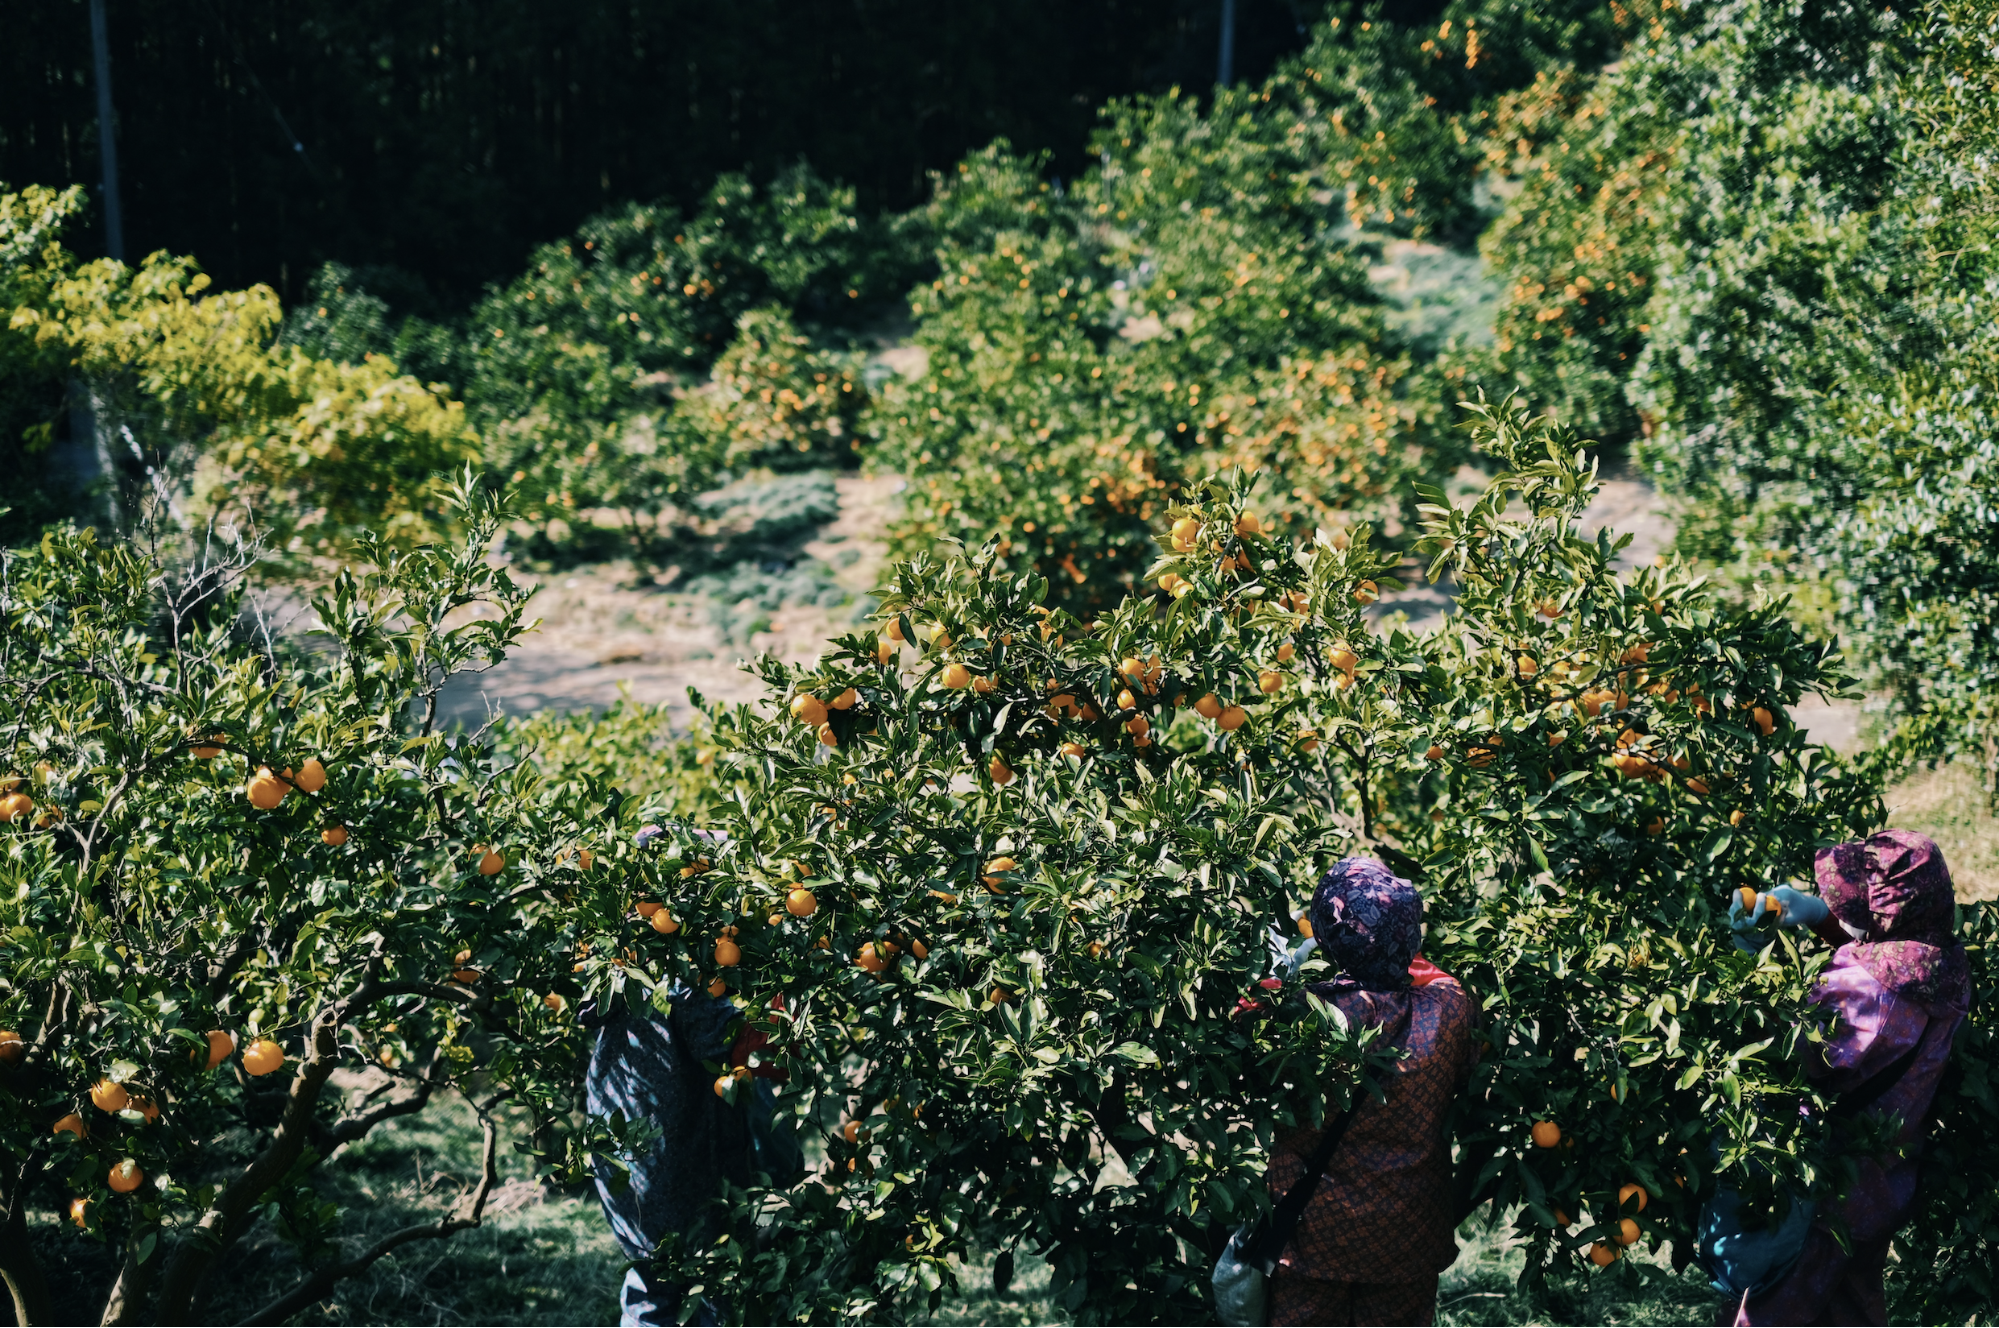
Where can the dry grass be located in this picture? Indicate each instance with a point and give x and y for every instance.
(1950, 805)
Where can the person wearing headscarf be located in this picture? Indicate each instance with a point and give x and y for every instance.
(1898, 988)
(1379, 1228)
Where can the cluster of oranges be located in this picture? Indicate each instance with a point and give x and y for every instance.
(810, 711)
(115, 1097)
(1631, 1198)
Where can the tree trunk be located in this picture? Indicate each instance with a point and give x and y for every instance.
(18, 1268)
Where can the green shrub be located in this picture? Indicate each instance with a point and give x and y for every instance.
(1054, 1059)
(423, 920)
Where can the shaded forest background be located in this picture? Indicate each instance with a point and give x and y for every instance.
(431, 145)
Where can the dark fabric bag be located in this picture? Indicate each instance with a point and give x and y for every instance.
(1241, 1275)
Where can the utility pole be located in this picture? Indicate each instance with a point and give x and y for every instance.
(1224, 67)
(107, 137)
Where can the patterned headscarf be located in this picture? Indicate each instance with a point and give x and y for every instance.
(1894, 890)
(1369, 923)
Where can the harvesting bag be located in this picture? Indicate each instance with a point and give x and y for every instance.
(1749, 1260)
(1246, 1263)
(1752, 1260)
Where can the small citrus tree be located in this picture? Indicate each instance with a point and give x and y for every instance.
(997, 887)
(232, 870)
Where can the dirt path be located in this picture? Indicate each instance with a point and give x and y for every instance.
(603, 635)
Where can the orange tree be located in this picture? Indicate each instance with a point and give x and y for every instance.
(233, 870)
(999, 880)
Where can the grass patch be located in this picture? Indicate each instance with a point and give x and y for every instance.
(1950, 805)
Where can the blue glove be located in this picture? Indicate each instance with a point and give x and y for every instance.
(1284, 957)
(1742, 922)
(1800, 909)
(1795, 909)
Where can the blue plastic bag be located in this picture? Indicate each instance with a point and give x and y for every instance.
(1745, 1259)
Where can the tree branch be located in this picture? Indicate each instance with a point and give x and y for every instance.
(468, 1214)
(128, 1293)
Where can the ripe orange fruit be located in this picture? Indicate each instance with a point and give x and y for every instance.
(1286, 652)
(125, 1176)
(79, 1209)
(15, 805)
(876, 956)
(999, 996)
(146, 1107)
(1074, 749)
(1435, 753)
(1697, 786)
(851, 1131)
(1209, 707)
(556, 1001)
(1187, 528)
(265, 790)
(109, 1095)
(1526, 665)
(1602, 1255)
(1130, 667)
(72, 1124)
(993, 870)
(1126, 701)
(468, 976)
(884, 651)
(956, 677)
(221, 1046)
(1628, 1232)
(1095, 949)
(1269, 680)
(800, 903)
(1748, 897)
(311, 776)
(895, 629)
(727, 953)
(1547, 608)
(336, 835)
(1233, 718)
(490, 863)
(1546, 1134)
(12, 1048)
(663, 923)
(263, 1056)
(1626, 1193)
(211, 749)
(718, 988)
(722, 1085)
(1304, 921)
(1766, 724)
(983, 685)
(845, 700)
(828, 738)
(1557, 738)
(1138, 726)
(1247, 524)
(919, 949)
(1367, 592)
(1655, 826)
(1308, 741)
(1637, 654)
(1562, 1219)
(1001, 772)
(1737, 817)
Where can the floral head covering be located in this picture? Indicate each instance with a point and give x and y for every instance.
(1369, 923)
(1892, 892)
